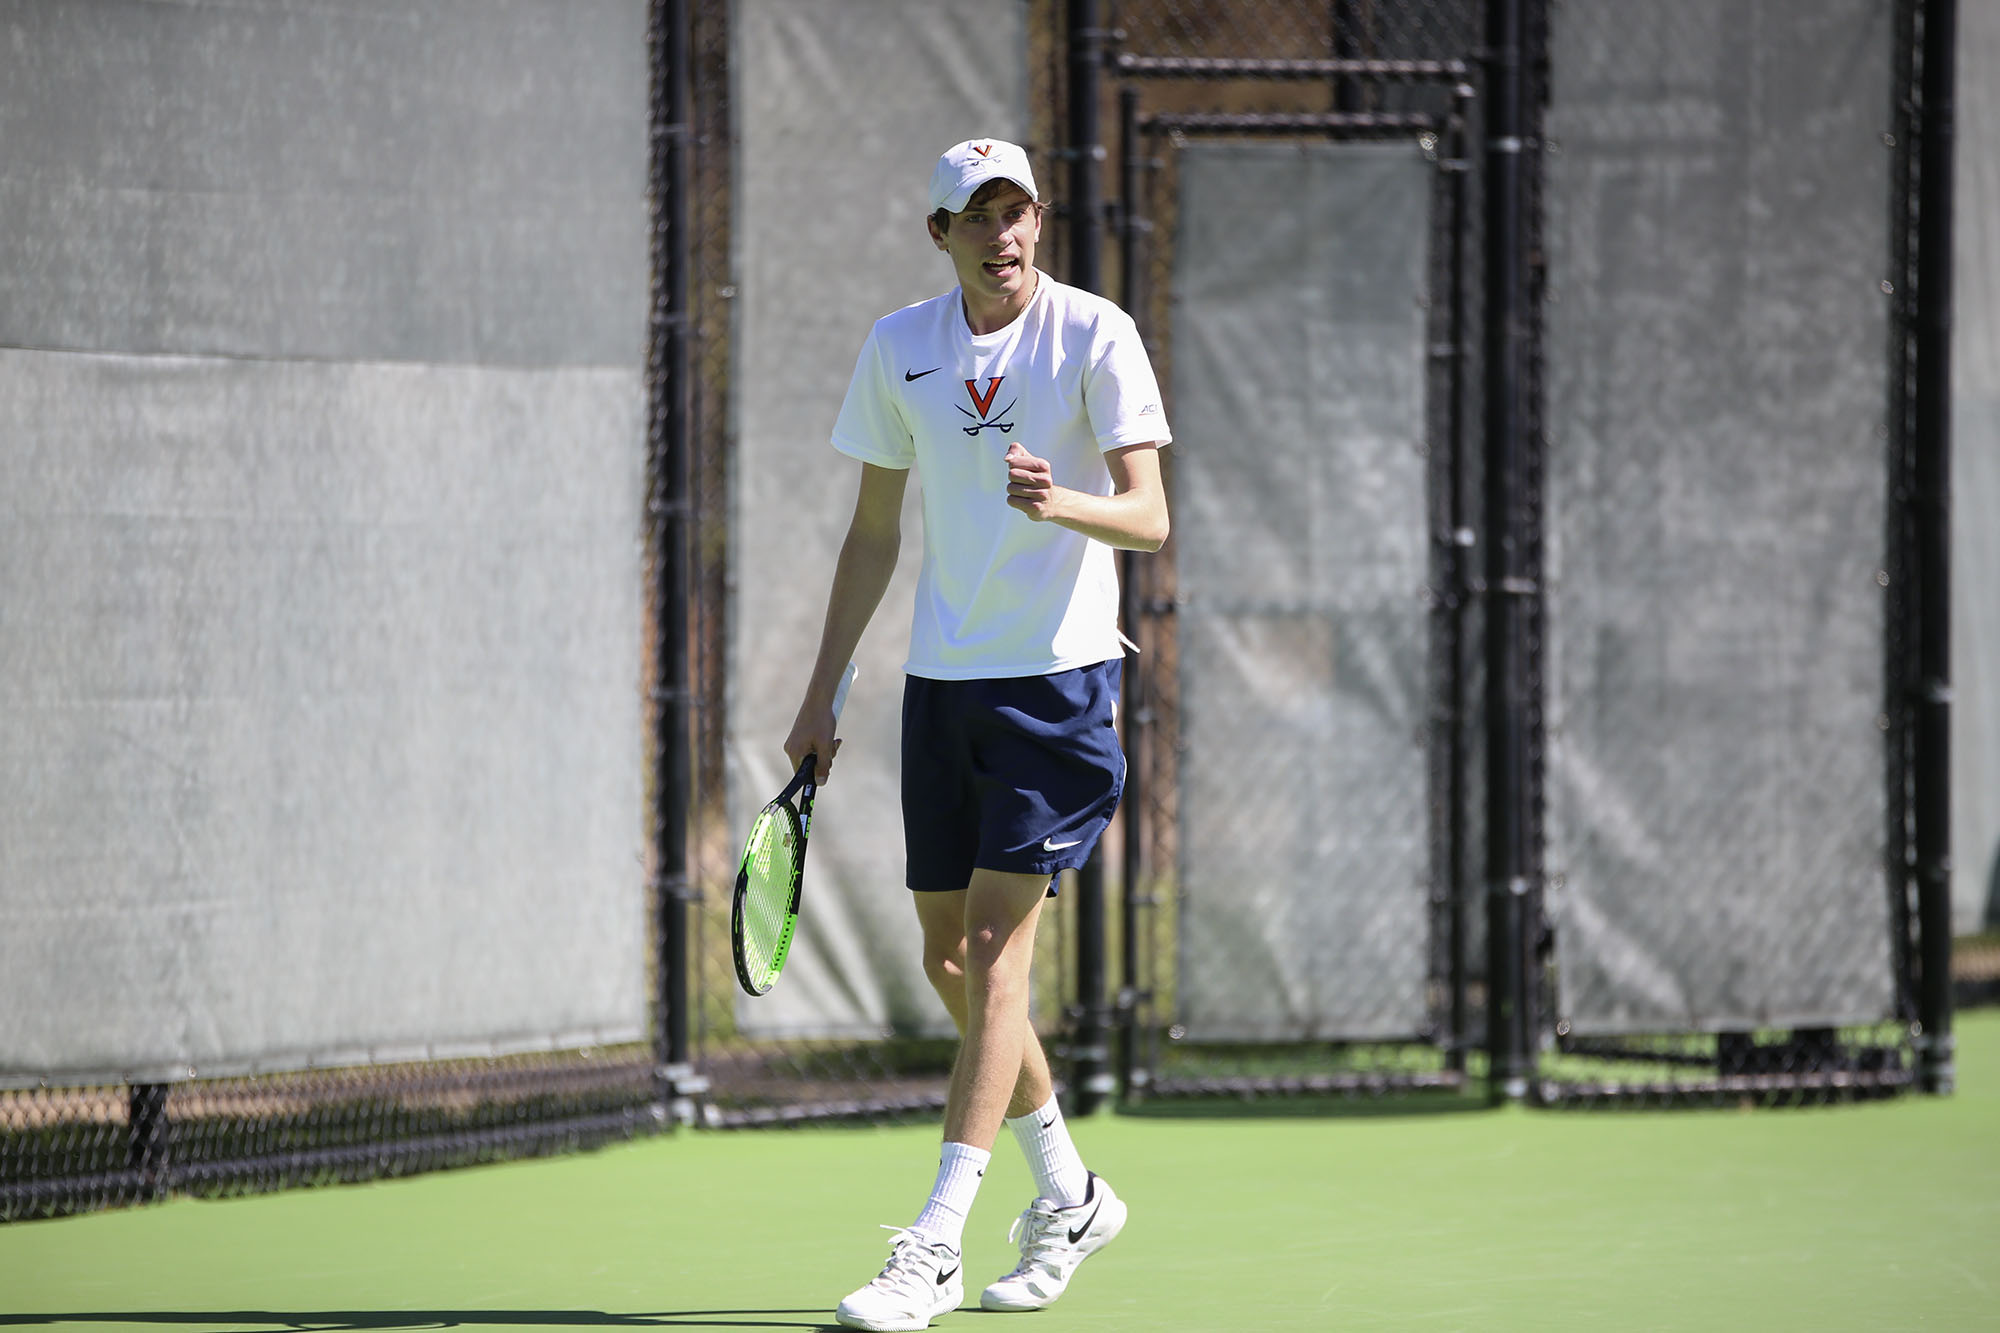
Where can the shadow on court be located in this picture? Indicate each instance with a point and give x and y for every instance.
(339, 1321)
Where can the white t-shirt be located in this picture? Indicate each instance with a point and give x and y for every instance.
(1000, 594)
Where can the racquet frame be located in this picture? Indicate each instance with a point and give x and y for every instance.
(805, 786)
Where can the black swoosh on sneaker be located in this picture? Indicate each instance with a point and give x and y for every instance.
(1077, 1234)
(909, 375)
(943, 1278)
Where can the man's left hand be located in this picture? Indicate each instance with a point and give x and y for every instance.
(1030, 488)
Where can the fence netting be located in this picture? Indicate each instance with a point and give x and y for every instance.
(1300, 244)
(1975, 482)
(1721, 543)
(320, 502)
(1303, 579)
(854, 1027)
(321, 588)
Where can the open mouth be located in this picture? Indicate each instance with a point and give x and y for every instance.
(1000, 268)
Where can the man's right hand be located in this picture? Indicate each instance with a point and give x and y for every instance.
(812, 733)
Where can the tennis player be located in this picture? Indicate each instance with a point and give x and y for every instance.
(1033, 416)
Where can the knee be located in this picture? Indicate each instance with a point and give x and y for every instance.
(986, 955)
(982, 950)
(944, 965)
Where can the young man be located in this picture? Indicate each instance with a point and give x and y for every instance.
(1032, 413)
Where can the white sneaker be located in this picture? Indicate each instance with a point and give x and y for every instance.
(1053, 1242)
(921, 1281)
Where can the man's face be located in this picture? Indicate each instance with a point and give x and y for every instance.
(992, 243)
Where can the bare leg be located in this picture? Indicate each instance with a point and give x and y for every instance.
(1001, 913)
(943, 917)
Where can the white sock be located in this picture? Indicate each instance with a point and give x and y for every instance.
(960, 1168)
(1058, 1168)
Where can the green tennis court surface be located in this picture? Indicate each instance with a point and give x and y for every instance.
(1276, 1216)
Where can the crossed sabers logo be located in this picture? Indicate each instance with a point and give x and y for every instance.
(985, 417)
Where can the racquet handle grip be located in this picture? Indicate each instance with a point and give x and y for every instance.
(811, 762)
(840, 691)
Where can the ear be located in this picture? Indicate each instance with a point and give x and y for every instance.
(937, 235)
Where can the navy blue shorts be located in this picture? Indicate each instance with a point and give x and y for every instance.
(1018, 775)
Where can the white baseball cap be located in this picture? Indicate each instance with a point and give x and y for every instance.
(967, 166)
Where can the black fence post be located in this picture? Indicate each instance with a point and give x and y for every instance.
(669, 425)
(1509, 582)
(1931, 530)
(1347, 24)
(1458, 581)
(1091, 1079)
(1136, 705)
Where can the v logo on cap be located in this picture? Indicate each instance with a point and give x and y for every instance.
(965, 167)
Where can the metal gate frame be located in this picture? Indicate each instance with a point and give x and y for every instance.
(1437, 1058)
(1806, 1065)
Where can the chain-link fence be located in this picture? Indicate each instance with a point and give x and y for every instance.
(1975, 970)
(1324, 951)
(1728, 652)
(1297, 213)
(322, 490)
(1660, 102)
(1172, 75)
(750, 1073)
(63, 1149)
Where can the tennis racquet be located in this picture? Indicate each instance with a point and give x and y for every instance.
(765, 910)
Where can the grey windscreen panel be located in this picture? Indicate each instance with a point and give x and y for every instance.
(1717, 233)
(1975, 478)
(829, 235)
(1300, 278)
(321, 483)
(450, 180)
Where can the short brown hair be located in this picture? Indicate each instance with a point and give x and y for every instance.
(979, 196)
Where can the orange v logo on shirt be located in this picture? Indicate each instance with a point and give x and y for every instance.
(985, 417)
(985, 400)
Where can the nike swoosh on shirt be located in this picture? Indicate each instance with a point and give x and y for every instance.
(1051, 845)
(909, 375)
